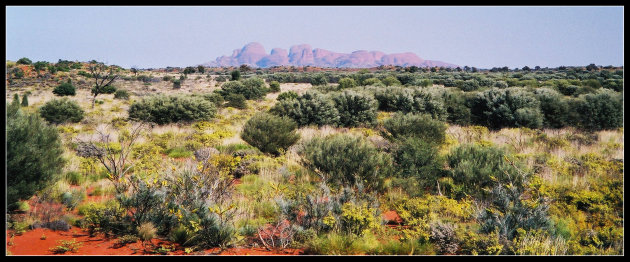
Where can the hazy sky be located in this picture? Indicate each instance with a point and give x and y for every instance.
(163, 36)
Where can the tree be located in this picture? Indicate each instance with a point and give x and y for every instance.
(25, 99)
(270, 133)
(39, 65)
(189, 70)
(346, 82)
(134, 70)
(103, 76)
(114, 155)
(33, 154)
(236, 75)
(24, 61)
(201, 69)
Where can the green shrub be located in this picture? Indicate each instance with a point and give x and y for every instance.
(24, 61)
(468, 85)
(108, 89)
(391, 81)
(251, 88)
(121, 94)
(318, 80)
(274, 86)
(456, 106)
(65, 89)
(236, 75)
(177, 84)
(74, 178)
(355, 108)
(236, 100)
(346, 83)
(270, 133)
(603, 110)
(24, 100)
(420, 126)
(58, 111)
(371, 82)
(179, 152)
(310, 108)
(287, 95)
(553, 106)
(215, 98)
(512, 107)
(162, 109)
(418, 159)
(345, 160)
(476, 170)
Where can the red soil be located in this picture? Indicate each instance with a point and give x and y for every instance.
(30, 243)
(391, 217)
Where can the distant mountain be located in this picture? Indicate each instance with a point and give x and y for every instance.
(253, 54)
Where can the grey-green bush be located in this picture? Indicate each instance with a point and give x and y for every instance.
(355, 108)
(603, 110)
(421, 126)
(270, 133)
(553, 106)
(161, 109)
(58, 111)
(33, 154)
(311, 108)
(65, 89)
(512, 107)
(344, 160)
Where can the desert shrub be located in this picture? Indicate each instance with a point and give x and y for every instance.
(177, 84)
(58, 111)
(472, 243)
(74, 178)
(108, 89)
(270, 133)
(414, 125)
(236, 100)
(358, 219)
(476, 170)
(66, 246)
(443, 235)
(418, 159)
(614, 84)
(344, 160)
(501, 84)
(553, 106)
(509, 213)
(468, 85)
(497, 108)
(179, 152)
(162, 109)
(121, 94)
(274, 86)
(409, 100)
(24, 100)
(391, 81)
(287, 95)
(65, 89)
(146, 231)
(251, 88)
(603, 110)
(310, 108)
(24, 61)
(371, 82)
(72, 198)
(355, 108)
(457, 110)
(215, 98)
(108, 218)
(346, 83)
(236, 75)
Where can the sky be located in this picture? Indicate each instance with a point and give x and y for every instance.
(179, 36)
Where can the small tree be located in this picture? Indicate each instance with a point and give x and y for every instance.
(34, 154)
(103, 76)
(24, 61)
(422, 126)
(269, 133)
(39, 66)
(189, 70)
(25, 100)
(236, 75)
(346, 83)
(201, 69)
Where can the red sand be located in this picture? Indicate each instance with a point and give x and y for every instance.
(391, 217)
(30, 243)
